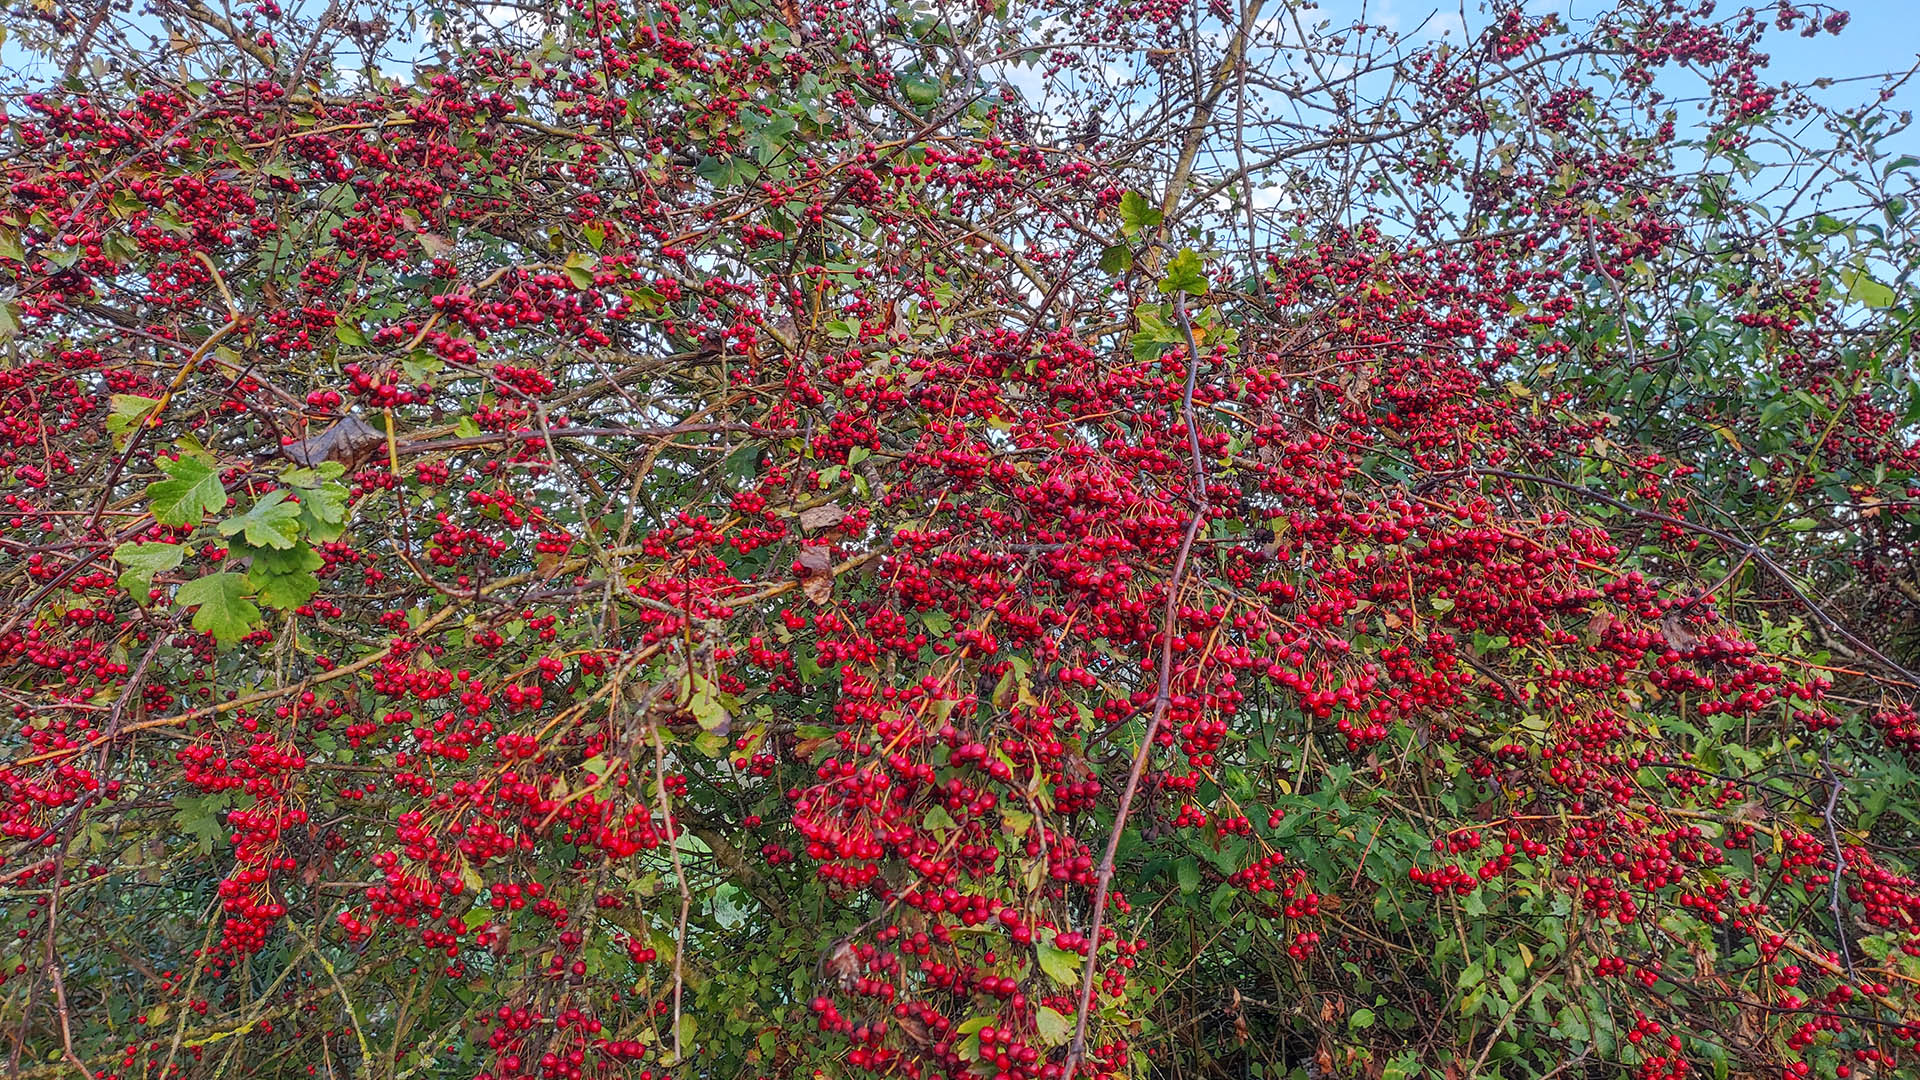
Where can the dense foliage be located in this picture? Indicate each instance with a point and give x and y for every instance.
(861, 538)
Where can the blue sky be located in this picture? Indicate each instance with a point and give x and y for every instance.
(1881, 36)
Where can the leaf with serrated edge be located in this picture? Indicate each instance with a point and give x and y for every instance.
(285, 591)
(271, 522)
(190, 491)
(1055, 1027)
(223, 609)
(142, 562)
(1059, 964)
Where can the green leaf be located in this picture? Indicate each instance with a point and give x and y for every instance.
(1361, 1019)
(272, 522)
(703, 701)
(1137, 213)
(349, 334)
(968, 1048)
(1804, 524)
(1404, 1067)
(919, 90)
(724, 172)
(284, 592)
(323, 503)
(129, 410)
(938, 818)
(688, 1031)
(422, 369)
(1059, 964)
(142, 562)
(1016, 822)
(223, 609)
(1184, 274)
(198, 817)
(1862, 287)
(191, 490)
(1117, 259)
(298, 559)
(1188, 873)
(1055, 1027)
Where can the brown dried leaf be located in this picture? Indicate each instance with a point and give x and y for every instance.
(347, 440)
(816, 572)
(915, 1031)
(843, 960)
(815, 518)
(844, 965)
(435, 245)
(1674, 629)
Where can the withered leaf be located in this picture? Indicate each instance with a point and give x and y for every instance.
(816, 572)
(819, 588)
(843, 963)
(348, 440)
(915, 1031)
(1674, 629)
(815, 518)
(435, 245)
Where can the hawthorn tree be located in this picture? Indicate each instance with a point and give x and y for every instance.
(999, 540)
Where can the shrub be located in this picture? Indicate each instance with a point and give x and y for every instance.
(863, 539)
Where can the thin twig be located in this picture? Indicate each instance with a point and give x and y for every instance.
(66, 1026)
(1839, 856)
(680, 879)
